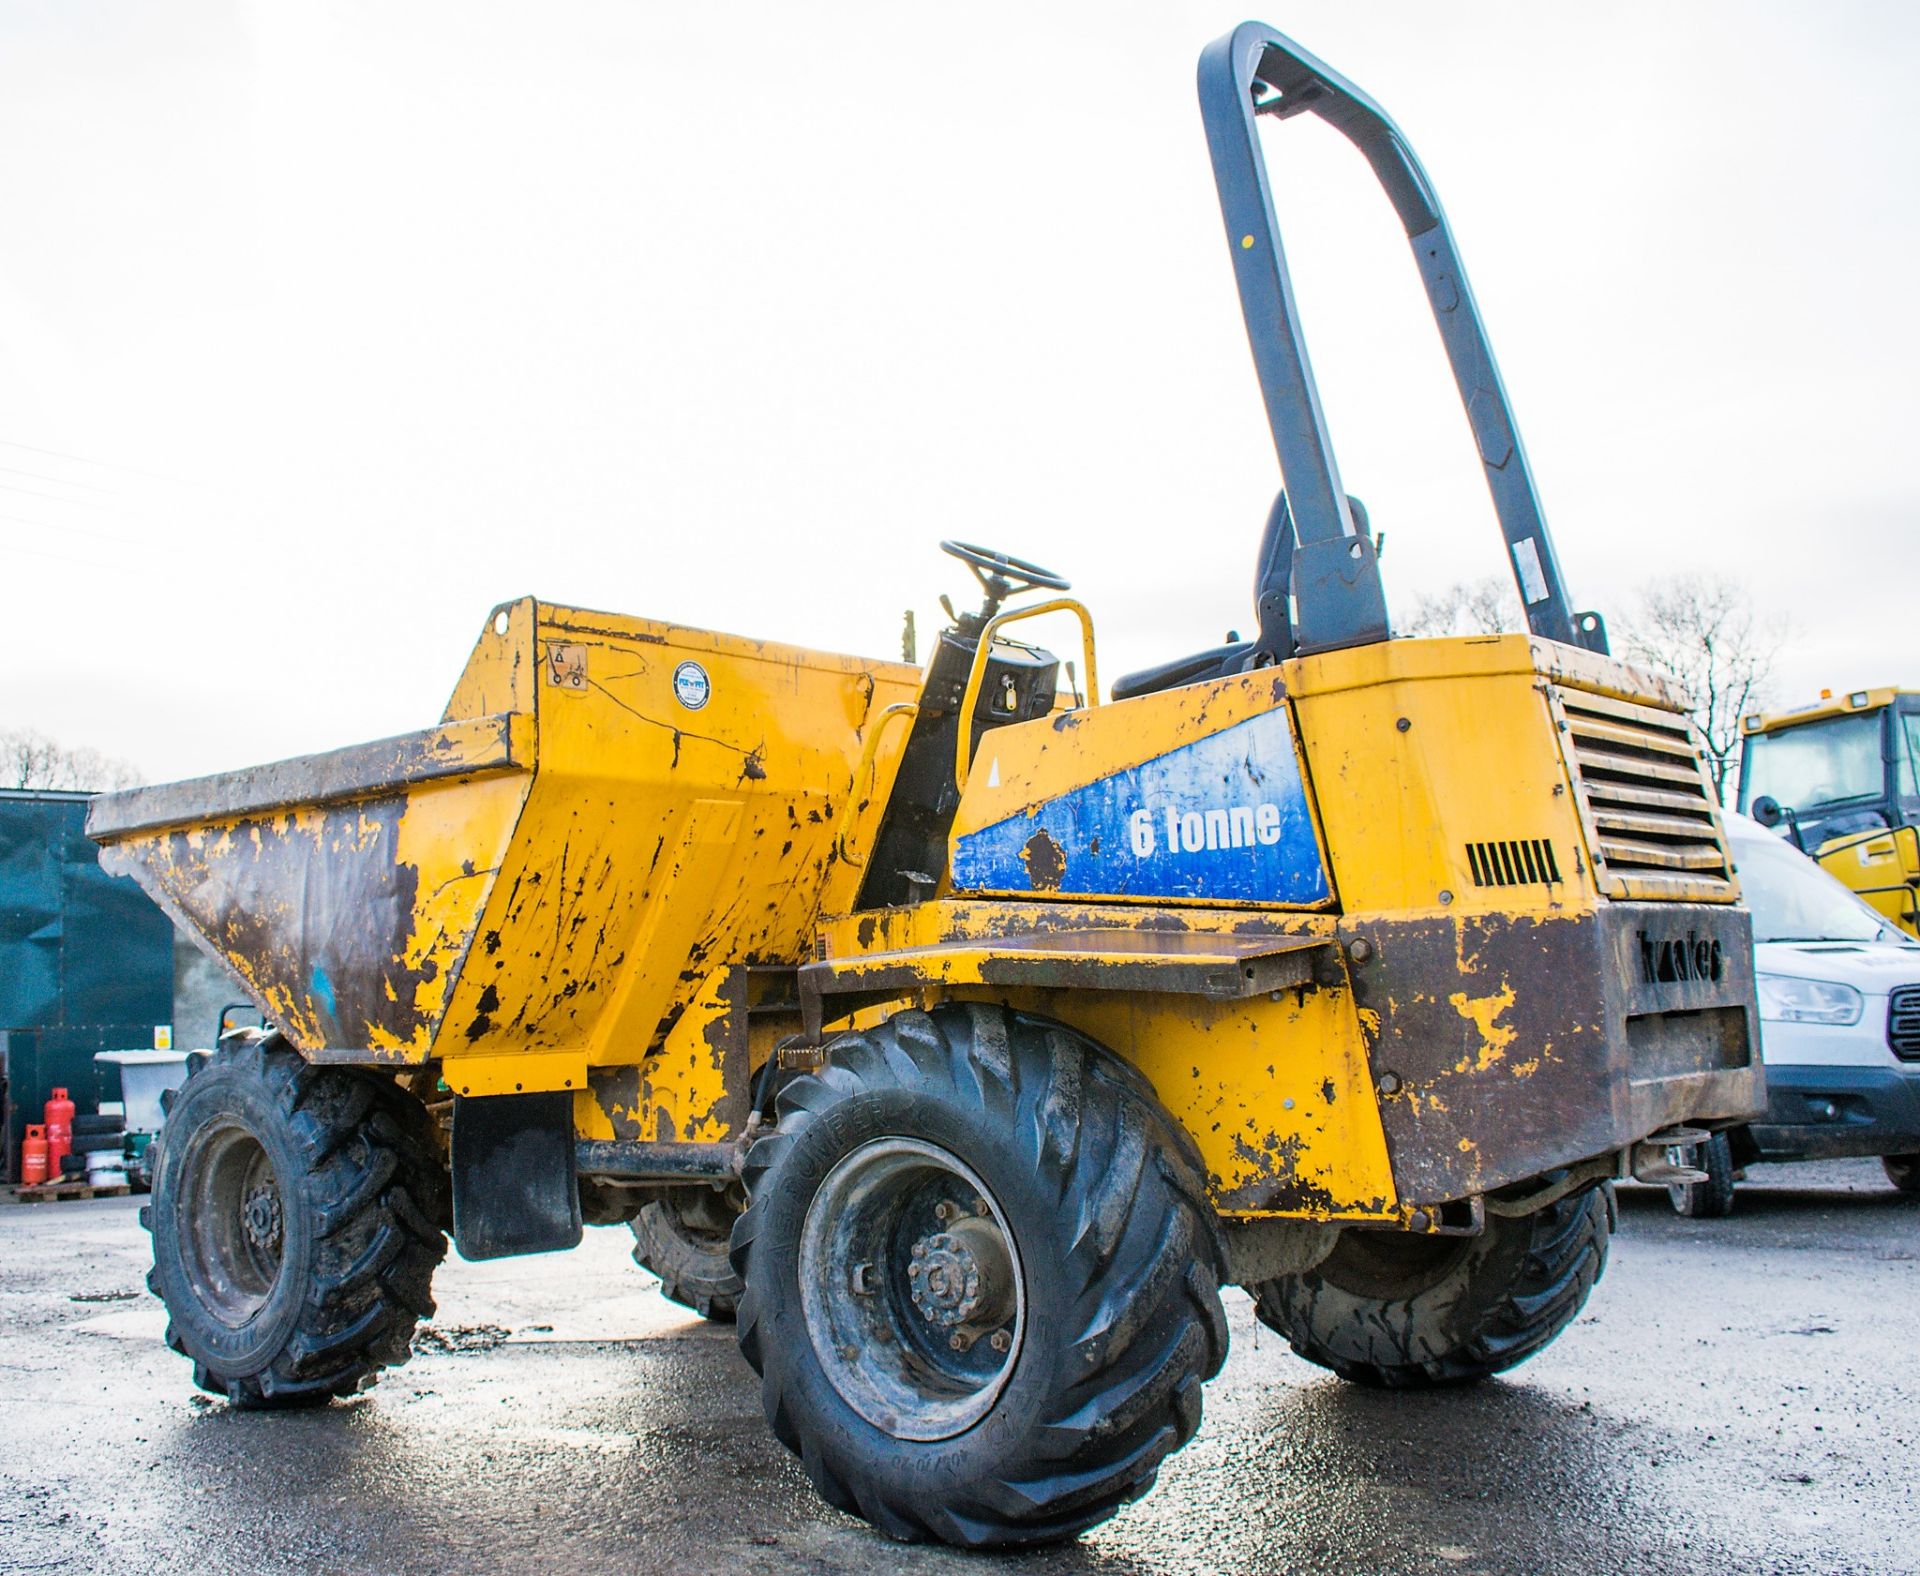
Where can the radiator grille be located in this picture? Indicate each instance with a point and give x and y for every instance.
(1525, 861)
(1903, 1022)
(1651, 823)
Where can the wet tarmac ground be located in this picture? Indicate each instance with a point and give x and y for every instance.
(1739, 1396)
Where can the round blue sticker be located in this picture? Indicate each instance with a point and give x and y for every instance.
(691, 686)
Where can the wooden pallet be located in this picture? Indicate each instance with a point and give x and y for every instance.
(55, 1192)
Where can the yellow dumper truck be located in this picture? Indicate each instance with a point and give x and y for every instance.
(961, 1033)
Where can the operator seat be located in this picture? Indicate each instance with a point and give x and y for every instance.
(1270, 596)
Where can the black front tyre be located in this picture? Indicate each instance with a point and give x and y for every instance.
(297, 1219)
(1407, 1312)
(1903, 1171)
(982, 1278)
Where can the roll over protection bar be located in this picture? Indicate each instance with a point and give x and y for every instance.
(1328, 565)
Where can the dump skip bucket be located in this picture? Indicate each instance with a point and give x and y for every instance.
(535, 882)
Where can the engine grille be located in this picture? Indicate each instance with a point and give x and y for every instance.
(1903, 1022)
(1652, 826)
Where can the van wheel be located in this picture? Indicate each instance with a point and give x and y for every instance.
(1406, 1312)
(982, 1278)
(1903, 1171)
(683, 1239)
(297, 1221)
(1713, 1198)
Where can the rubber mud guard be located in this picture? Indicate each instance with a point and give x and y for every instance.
(514, 1187)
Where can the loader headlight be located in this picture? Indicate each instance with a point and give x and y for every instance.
(1788, 1000)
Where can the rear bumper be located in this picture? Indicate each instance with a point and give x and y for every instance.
(1832, 1113)
(1508, 1045)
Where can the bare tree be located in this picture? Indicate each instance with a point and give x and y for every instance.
(32, 760)
(1470, 607)
(1704, 630)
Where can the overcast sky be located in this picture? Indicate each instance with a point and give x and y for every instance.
(322, 329)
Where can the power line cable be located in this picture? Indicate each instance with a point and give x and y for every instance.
(105, 465)
(34, 492)
(61, 481)
(77, 530)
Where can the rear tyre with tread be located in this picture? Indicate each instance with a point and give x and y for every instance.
(1903, 1171)
(1404, 1312)
(682, 1239)
(297, 1217)
(1044, 1207)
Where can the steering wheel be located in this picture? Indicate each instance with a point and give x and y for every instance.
(1001, 574)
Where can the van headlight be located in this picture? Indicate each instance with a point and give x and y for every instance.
(1785, 999)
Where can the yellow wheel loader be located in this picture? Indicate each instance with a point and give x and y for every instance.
(958, 1032)
(1842, 777)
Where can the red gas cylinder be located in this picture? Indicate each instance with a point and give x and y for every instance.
(33, 1156)
(59, 1131)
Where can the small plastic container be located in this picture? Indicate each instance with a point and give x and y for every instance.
(144, 1077)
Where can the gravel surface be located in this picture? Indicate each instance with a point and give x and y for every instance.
(1740, 1395)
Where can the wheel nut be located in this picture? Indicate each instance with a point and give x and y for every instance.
(982, 1207)
(957, 1342)
(920, 1250)
(943, 1211)
(1000, 1340)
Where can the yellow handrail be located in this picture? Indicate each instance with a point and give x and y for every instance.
(963, 754)
(869, 756)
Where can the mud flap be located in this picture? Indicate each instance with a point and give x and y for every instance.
(514, 1187)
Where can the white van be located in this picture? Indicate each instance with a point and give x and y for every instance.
(1839, 1027)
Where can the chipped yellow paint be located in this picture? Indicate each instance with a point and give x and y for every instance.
(682, 1083)
(566, 902)
(663, 843)
(455, 839)
(946, 921)
(481, 1075)
(1484, 1013)
(1276, 1094)
(499, 674)
(346, 917)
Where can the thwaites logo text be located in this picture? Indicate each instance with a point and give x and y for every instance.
(1203, 831)
(1672, 960)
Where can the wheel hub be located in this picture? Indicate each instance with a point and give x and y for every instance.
(233, 1221)
(962, 1276)
(914, 1304)
(262, 1217)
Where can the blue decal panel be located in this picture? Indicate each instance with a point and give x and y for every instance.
(1223, 819)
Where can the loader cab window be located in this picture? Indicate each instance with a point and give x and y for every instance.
(1831, 773)
(1907, 749)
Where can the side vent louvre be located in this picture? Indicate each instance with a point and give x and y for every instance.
(1517, 862)
(1652, 825)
